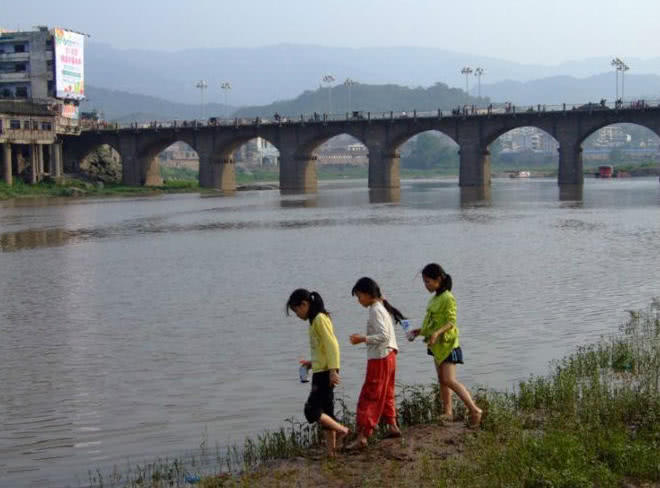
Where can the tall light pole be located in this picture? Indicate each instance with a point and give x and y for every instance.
(329, 79)
(624, 68)
(348, 84)
(225, 86)
(615, 64)
(479, 72)
(467, 71)
(202, 85)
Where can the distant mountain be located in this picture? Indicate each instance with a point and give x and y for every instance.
(122, 106)
(263, 75)
(569, 90)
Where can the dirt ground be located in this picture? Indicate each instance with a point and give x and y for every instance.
(373, 466)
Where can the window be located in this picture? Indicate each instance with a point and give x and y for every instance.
(21, 92)
(26, 125)
(14, 124)
(35, 125)
(46, 126)
(19, 48)
(20, 67)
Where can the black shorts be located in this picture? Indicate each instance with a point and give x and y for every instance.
(321, 398)
(455, 356)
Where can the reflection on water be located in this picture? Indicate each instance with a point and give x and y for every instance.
(385, 195)
(132, 328)
(571, 193)
(472, 196)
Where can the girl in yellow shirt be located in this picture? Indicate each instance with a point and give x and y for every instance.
(324, 364)
(440, 332)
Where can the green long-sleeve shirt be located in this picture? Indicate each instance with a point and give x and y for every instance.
(440, 311)
(323, 343)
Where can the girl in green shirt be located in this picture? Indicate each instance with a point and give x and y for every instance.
(440, 332)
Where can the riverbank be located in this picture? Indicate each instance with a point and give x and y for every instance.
(593, 421)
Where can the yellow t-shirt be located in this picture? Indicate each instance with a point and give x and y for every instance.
(323, 343)
(440, 311)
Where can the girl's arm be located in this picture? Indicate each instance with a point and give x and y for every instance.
(434, 337)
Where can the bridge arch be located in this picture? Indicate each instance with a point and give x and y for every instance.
(149, 157)
(525, 147)
(619, 144)
(429, 149)
(101, 162)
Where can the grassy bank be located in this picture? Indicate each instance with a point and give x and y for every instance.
(593, 421)
(71, 187)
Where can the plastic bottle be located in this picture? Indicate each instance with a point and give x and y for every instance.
(407, 328)
(303, 371)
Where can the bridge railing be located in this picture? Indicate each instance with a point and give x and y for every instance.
(359, 115)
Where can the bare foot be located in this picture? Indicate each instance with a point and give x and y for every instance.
(447, 417)
(357, 445)
(340, 437)
(475, 418)
(393, 432)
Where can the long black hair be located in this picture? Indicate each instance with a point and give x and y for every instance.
(316, 305)
(435, 272)
(371, 288)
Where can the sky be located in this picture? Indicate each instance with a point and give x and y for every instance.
(526, 31)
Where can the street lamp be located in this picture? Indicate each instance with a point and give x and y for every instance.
(479, 72)
(225, 86)
(467, 71)
(615, 64)
(202, 85)
(348, 84)
(329, 79)
(624, 68)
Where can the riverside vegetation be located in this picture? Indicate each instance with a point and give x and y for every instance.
(593, 421)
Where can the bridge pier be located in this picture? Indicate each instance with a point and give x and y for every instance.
(474, 167)
(7, 166)
(298, 173)
(217, 173)
(384, 169)
(152, 172)
(571, 169)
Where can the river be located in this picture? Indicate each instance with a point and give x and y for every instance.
(132, 328)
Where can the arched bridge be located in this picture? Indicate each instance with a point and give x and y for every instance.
(297, 140)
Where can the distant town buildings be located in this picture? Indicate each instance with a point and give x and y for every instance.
(41, 84)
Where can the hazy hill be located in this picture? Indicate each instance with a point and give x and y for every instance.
(368, 98)
(566, 89)
(128, 107)
(263, 75)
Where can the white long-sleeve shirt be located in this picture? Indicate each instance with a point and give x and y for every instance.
(380, 332)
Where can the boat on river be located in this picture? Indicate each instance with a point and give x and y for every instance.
(520, 174)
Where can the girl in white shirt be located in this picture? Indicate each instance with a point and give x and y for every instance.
(377, 395)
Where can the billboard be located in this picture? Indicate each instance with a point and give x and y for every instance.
(69, 64)
(70, 111)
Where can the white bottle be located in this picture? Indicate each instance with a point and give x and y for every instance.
(303, 371)
(407, 328)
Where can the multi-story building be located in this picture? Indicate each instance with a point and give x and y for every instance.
(41, 84)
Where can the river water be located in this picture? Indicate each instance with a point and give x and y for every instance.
(132, 328)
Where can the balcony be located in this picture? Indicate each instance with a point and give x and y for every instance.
(16, 57)
(13, 77)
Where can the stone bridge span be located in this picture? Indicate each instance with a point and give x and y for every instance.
(298, 140)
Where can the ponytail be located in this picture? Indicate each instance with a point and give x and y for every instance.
(315, 301)
(435, 272)
(370, 287)
(394, 312)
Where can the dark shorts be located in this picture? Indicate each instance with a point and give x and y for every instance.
(455, 356)
(321, 398)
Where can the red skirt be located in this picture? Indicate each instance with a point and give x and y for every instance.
(377, 395)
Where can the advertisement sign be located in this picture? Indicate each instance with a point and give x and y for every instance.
(70, 111)
(69, 64)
